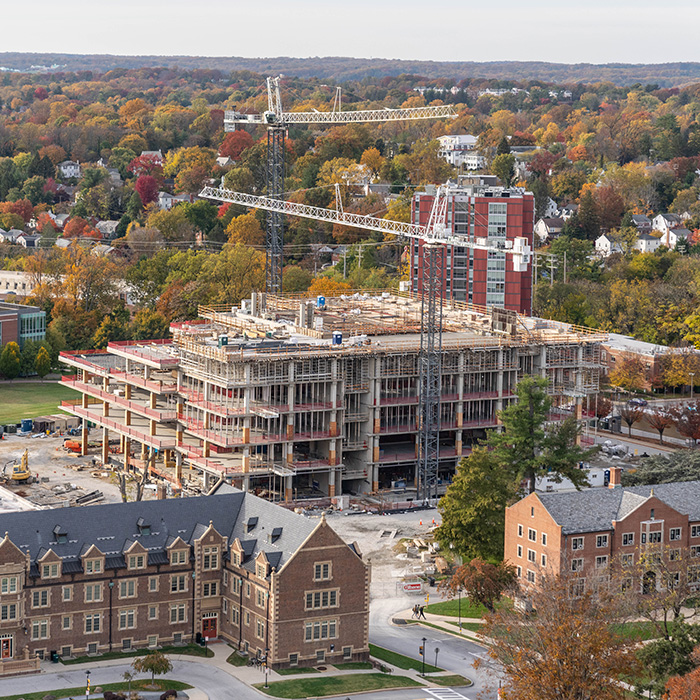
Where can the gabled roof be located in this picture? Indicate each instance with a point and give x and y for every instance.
(593, 510)
(113, 528)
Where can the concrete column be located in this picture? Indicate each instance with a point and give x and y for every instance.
(375, 478)
(375, 449)
(105, 408)
(331, 483)
(146, 372)
(105, 445)
(333, 426)
(246, 429)
(127, 452)
(84, 398)
(290, 403)
(543, 361)
(144, 451)
(127, 391)
(205, 449)
(178, 435)
(245, 483)
(178, 467)
(127, 417)
(152, 400)
(121, 444)
(84, 439)
(332, 453)
(290, 452)
(288, 488)
(246, 459)
(458, 442)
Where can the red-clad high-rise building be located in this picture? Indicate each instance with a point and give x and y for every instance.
(479, 210)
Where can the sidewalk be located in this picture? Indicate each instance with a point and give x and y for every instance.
(447, 623)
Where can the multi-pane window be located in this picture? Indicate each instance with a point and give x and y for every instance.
(674, 533)
(578, 587)
(531, 556)
(601, 562)
(49, 571)
(209, 589)
(127, 589)
(67, 593)
(532, 535)
(577, 564)
(627, 559)
(320, 629)
(178, 613)
(530, 576)
(92, 623)
(153, 584)
(127, 619)
(260, 595)
(322, 571)
(137, 561)
(152, 612)
(601, 541)
(211, 558)
(321, 599)
(655, 537)
(627, 539)
(40, 629)
(577, 543)
(93, 566)
(93, 592)
(8, 584)
(235, 615)
(66, 622)
(695, 531)
(178, 557)
(695, 550)
(178, 583)
(40, 599)
(235, 584)
(8, 612)
(259, 628)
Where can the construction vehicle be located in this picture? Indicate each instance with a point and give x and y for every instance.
(72, 446)
(20, 473)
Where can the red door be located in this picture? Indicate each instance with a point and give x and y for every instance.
(209, 627)
(6, 648)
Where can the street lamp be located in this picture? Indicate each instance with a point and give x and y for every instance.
(437, 650)
(87, 686)
(267, 665)
(422, 653)
(459, 606)
(692, 384)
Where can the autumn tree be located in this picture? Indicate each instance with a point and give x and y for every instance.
(569, 648)
(155, 663)
(42, 364)
(687, 419)
(630, 373)
(482, 581)
(659, 420)
(374, 160)
(147, 187)
(10, 360)
(681, 368)
(235, 143)
(503, 167)
(631, 414)
(326, 286)
(687, 686)
(246, 229)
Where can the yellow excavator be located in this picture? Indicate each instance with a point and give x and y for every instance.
(20, 472)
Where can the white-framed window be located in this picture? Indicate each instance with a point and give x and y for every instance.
(519, 571)
(127, 619)
(8, 584)
(49, 571)
(520, 551)
(320, 629)
(210, 559)
(235, 584)
(530, 576)
(92, 623)
(674, 534)
(40, 629)
(67, 593)
(93, 566)
(578, 587)
(627, 559)
(152, 612)
(543, 560)
(178, 613)
(66, 622)
(695, 531)
(137, 561)
(152, 584)
(210, 588)
(532, 535)
(601, 541)
(531, 556)
(321, 599)
(260, 596)
(178, 583)
(127, 589)
(520, 530)
(577, 564)
(8, 612)
(235, 615)
(674, 554)
(236, 558)
(544, 539)
(627, 539)
(601, 562)
(40, 599)
(695, 550)
(259, 628)
(322, 571)
(152, 641)
(93, 592)
(261, 570)
(576, 543)
(178, 557)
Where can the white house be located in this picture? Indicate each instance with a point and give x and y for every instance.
(605, 246)
(29, 240)
(10, 236)
(550, 210)
(155, 156)
(666, 222)
(69, 168)
(455, 149)
(647, 244)
(107, 228)
(568, 211)
(224, 161)
(547, 228)
(167, 201)
(642, 223)
(672, 236)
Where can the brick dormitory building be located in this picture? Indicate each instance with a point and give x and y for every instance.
(147, 574)
(585, 531)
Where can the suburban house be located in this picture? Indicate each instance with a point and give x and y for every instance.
(107, 228)
(10, 236)
(155, 156)
(546, 229)
(143, 574)
(568, 211)
(585, 531)
(29, 240)
(455, 149)
(642, 223)
(646, 243)
(224, 161)
(69, 168)
(606, 245)
(673, 236)
(666, 222)
(167, 201)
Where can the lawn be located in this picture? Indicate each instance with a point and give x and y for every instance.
(638, 631)
(451, 608)
(448, 680)
(354, 666)
(29, 400)
(162, 683)
(235, 659)
(300, 669)
(336, 685)
(188, 650)
(471, 626)
(399, 660)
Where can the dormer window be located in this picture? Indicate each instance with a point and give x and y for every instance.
(59, 536)
(50, 571)
(93, 566)
(178, 557)
(251, 524)
(275, 534)
(211, 558)
(261, 570)
(143, 526)
(236, 558)
(137, 561)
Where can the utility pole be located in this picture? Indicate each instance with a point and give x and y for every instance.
(564, 267)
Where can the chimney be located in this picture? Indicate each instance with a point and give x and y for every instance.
(161, 492)
(615, 478)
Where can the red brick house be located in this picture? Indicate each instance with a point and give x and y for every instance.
(582, 531)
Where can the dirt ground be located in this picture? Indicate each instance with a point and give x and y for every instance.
(56, 471)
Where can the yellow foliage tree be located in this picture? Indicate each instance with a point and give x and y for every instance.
(245, 229)
(328, 287)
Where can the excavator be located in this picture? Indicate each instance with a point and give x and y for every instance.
(20, 473)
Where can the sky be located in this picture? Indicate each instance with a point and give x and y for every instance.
(587, 31)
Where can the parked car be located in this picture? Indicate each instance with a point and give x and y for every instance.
(637, 402)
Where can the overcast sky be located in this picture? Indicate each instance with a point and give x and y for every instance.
(591, 31)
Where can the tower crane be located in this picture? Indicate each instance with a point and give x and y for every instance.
(277, 122)
(435, 236)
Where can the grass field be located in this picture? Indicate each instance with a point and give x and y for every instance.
(334, 685)
(293, 671)
(187, 650)
(399, 660)
(31, 399)
(449, 680)
(638, 631)
(162, 683)
(452, 607)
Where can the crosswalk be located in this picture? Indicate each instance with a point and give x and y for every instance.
(446, 694)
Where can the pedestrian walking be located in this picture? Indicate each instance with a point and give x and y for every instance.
(421, 612)
(415, 611)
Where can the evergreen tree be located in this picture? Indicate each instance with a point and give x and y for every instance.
(503, 147)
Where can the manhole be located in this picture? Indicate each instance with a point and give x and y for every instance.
(321, 668)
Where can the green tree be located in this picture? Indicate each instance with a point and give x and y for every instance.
(503, 167)
(149, 324)
(42, 364)
(503, 147)
(10, 360)
(665, 469)
(473, 507)
(155, 663)
(482, 581)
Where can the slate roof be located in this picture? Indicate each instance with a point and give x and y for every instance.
(113, 528)
(593, 510)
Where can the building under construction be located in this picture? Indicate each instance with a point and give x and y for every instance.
(317, 395)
